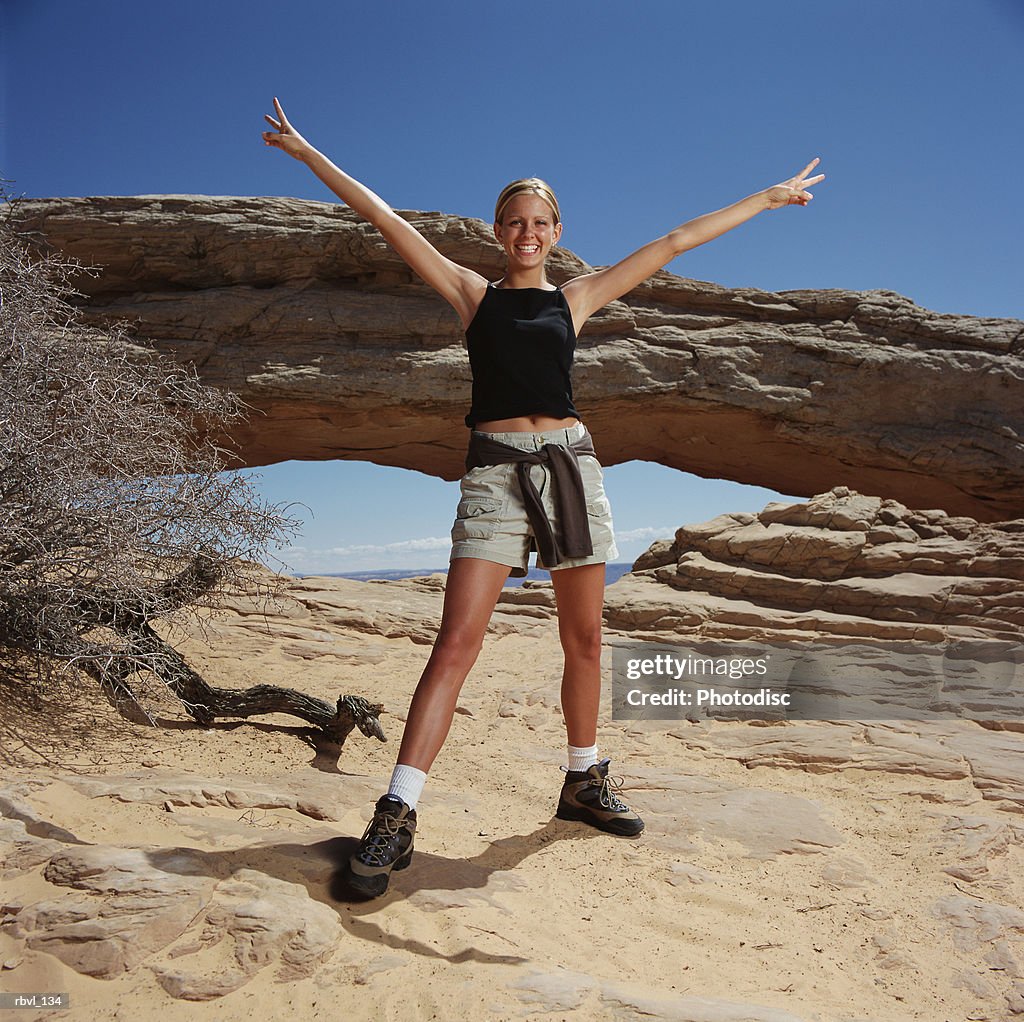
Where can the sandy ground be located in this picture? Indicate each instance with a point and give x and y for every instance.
(765, 895)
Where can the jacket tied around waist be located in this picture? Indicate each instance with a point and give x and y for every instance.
(572, 539)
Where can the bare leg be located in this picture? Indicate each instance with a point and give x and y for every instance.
(579, 593)
(470, 594)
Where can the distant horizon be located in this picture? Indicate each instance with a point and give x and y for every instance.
(614, 570)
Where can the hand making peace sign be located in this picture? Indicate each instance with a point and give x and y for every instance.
(287, 138)
(794, 191)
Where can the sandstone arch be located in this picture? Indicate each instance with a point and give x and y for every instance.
(302, 309)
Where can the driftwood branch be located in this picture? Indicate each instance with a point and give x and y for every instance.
(142, 650)
(205, 702)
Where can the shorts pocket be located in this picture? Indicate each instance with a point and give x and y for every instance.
(476, 518)
(599, 508)
(602, 532)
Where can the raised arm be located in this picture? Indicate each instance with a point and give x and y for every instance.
(592, 291)
(461, 287)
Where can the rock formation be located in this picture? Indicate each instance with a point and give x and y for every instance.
(841, 564)
(856, 868)
(303, 310)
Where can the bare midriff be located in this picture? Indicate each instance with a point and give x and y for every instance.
(525, 424)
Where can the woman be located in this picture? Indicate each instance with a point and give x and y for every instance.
(532, 477)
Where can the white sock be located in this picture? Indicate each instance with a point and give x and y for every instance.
(582, 758)
(407, 784)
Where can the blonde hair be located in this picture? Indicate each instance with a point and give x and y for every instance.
(531, 185)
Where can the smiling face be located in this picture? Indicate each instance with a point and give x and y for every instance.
(527, 231)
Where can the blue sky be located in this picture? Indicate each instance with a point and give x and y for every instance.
(641, 116)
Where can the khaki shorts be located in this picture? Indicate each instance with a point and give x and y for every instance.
(491, 521)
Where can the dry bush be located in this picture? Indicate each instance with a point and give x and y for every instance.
(115, 508)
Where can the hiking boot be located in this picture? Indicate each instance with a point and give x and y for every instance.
(588, 796)
(386, 844)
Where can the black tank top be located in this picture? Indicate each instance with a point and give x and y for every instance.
(521, 343)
